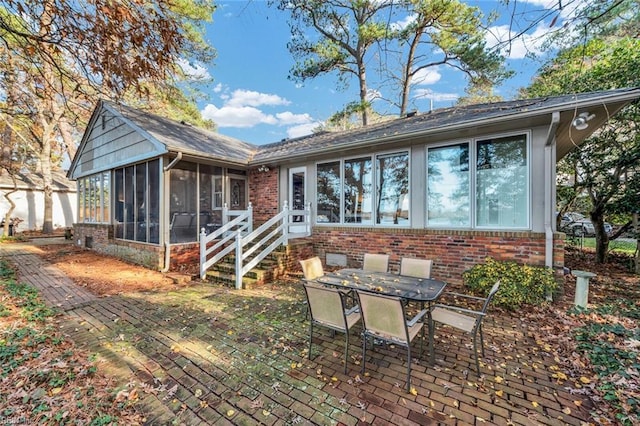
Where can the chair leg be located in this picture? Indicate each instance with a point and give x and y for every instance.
(409, 367)
(364, 352)
(481, 339)
(310, 337)
(475, 353)
(346, 351)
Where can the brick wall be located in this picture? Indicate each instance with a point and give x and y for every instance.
(99, 237)
(452, 252)
(263, 194)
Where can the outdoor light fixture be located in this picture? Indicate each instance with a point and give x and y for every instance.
(263, 169)
(581, 122)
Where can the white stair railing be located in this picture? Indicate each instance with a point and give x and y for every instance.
(262, 241)
(241, 224)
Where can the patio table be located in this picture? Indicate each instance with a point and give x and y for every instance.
(411, 289)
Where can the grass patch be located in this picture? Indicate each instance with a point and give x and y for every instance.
(619, 246)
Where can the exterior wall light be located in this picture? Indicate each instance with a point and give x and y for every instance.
(581, 122)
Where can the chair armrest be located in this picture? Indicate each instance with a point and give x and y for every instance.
(458, 309)
(417, 318)
(466, 296)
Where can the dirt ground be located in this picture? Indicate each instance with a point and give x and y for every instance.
(105, 275)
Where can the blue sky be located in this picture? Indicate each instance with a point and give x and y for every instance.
(250, 98)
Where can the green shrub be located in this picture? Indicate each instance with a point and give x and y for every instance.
(519, 284)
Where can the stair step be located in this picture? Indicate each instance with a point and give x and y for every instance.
(247, 282)
(257, 273)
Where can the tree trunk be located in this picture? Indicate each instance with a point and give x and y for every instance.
(362, 76)
(636, 229)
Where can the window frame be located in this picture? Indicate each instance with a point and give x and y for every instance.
(473, 176)
(373, 158)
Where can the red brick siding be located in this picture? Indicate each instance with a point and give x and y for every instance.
(452, 252)
(263, 194)
(100, 237)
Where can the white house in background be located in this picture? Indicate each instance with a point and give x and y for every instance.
(29, 200)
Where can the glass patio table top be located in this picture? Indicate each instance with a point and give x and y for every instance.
(408, 288)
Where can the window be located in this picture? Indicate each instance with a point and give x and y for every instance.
(500, 197)
(329, 192)
(448, 196)
(346, 193)
(502, 183)
(358, 195)
(93, 198)
(393, 189)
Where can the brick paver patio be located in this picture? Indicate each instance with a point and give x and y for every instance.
(211, 355)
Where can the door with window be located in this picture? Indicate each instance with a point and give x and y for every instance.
(237, 192)
(297, 196)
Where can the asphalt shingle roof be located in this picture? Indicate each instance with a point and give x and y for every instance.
(192, 140)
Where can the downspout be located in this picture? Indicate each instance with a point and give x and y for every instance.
(167, 246)
(549, 184)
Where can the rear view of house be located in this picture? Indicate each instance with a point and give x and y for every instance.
(454, 185)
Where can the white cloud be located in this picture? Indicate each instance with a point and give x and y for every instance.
(194, 70)
(218, 88)
(404, 23)
(287, 118)
(229, 116)
(518, 48)
(435, 96)
(252, 98)
(302, 129)
(240, 110)
(426, 76)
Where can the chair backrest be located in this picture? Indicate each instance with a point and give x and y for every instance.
(418, 268)
(375, 262)
(312, 268)
(326, 306)
(180, 220)
(384, 316)
(492, 293)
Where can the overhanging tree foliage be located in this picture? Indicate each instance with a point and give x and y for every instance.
(606, 165)
(58, 57)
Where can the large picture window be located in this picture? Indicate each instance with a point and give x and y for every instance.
(353, 191)
(502, 183)
(500, 197)
(448, 197)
